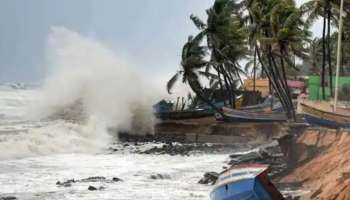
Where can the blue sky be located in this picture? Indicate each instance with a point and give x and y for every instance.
(150, 33)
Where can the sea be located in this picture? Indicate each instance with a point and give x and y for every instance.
(35, 154)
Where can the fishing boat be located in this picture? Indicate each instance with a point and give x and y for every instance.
(335, 117)
(185, 114)
(314, 115)
(264, 107)
(242, 182)
(232, 115)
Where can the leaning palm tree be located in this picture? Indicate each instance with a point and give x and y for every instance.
(193, 59)
(277, 33)
(226, 43)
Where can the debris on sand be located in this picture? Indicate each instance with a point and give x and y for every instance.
(160, 176)
(94, 179)
(8, 198)
(92, 188)
(209, 178)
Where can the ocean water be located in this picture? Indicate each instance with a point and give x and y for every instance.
(35, 154)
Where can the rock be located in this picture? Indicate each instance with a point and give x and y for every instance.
(116, 179)
(93, 179)
(67, 183)
(209, 178)
(159, 176)
(8, 198)
(92, 188)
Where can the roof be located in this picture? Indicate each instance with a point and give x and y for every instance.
(295, 84)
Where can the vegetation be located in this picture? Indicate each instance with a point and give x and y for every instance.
(270, 36)
(344, 93)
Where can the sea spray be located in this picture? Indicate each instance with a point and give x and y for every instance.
(88, 90)
(82, 69)
(56, 137)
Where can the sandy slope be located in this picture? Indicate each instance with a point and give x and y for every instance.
(323, 164)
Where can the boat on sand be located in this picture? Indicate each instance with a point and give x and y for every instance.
(242, 182)
(232, 115)
(321, 114)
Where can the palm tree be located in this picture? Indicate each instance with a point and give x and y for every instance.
(193, 59)
(326, 9)
(315, 55)
(277, 32)
(226, 42)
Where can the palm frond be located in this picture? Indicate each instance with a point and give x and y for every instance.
(170, 84)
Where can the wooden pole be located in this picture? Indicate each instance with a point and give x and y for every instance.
(338, 54)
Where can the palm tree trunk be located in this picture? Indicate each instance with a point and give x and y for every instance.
(228, 90)
(272, 77)
(254, 71)
(194, 86)
(330, 71)
(220, 82)
(323, 70)
(283, 87)
(286, 82)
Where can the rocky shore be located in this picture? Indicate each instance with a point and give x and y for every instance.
(306, 162)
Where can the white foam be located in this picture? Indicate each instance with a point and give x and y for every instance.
(80, 69)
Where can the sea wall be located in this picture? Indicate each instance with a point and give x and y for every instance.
(208, 130)
(319, 159)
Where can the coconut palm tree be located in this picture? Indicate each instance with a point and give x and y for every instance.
(315, 56)
(193, 59)
(327, 9)
(226, 42)
(276, 31)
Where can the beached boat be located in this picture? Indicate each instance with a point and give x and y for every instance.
(334, 117)
(242, 182)
(264, 107)
(232, 115)
(186, 114)
(323, 117)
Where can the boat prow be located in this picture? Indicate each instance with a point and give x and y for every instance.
(243, 182)
(316, 116)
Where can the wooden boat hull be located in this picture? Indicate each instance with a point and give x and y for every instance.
(319, 117)
(245, 182)
(231, 115)
(179, 115)
(277, 107)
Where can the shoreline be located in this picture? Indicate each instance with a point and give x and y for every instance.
(316, 158)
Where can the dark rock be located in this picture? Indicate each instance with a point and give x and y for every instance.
(269, 154)
(93, 179)
(67, 183)
(116, 179)
(92, 188)
(209, 178)
(159, 176)
(8, 198)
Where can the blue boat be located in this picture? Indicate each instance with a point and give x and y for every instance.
(245, 182)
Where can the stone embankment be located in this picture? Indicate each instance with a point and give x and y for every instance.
(207, 130)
